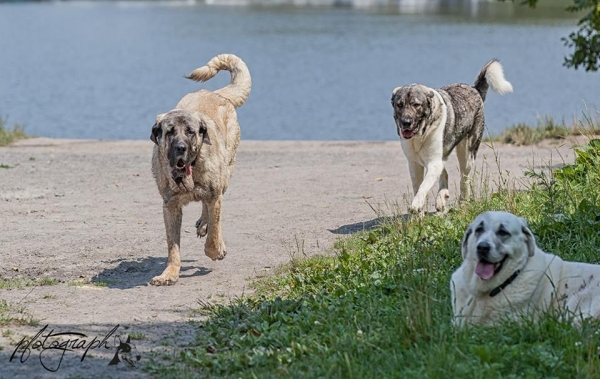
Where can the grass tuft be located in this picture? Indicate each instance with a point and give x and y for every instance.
(547, 128)
(15, 314)
(26, 282)
(10, 135)
(137, 336)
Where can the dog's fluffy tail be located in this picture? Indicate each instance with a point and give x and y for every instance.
(492, 75)
(239, 88)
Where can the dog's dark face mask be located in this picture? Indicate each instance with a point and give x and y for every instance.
(412, 109)
(180, 135)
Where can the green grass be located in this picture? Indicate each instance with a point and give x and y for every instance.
(137, 336)
(547, 128)
(15, 314)
(10, 135)
(524, 135)
(26, 282)
(47, 282)
(380, 306)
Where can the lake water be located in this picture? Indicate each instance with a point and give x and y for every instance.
(105, 69)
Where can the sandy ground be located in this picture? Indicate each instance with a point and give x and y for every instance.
(89, 210)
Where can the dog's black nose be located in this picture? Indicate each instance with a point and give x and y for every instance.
(406, 121)
(180, 147)
(483, 249)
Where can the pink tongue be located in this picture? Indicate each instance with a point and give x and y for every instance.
(188, 170)
(485, 270)
(408, 133)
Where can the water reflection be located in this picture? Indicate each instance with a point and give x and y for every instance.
(105, 69)
(477, 9)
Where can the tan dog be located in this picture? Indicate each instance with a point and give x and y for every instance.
(194, 155)
(505, 275)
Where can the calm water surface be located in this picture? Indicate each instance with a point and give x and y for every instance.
(104, 70)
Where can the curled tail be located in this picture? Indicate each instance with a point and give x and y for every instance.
(239, 87)
(492, 75)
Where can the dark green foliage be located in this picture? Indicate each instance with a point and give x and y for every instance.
(586, 40)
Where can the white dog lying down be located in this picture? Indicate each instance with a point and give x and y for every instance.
(504, 274)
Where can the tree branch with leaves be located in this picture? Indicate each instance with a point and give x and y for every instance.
(585, 41)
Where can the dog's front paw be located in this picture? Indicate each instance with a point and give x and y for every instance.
(440, 201)
(201, 228)
(164, 280)
(215, 253)
(417, 205)
(169, 277)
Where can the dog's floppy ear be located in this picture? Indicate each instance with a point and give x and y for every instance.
(156, 129)
(465, 242)
(429, 95)
(204, 132)
(529, 237)
(396, 93)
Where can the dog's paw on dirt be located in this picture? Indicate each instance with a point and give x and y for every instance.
(201, 228)
(215, 253)
(163, 280)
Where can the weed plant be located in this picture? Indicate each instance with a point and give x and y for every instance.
(10, 135)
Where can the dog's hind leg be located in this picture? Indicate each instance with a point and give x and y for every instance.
(466, 151)
(202, 223)
(466, 160)
(443, 194)
(215, 246)
(172, 215)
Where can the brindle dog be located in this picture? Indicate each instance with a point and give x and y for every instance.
(431, 123)
(194, 155)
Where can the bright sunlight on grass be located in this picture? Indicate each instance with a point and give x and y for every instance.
(380, 307)
(547, 128)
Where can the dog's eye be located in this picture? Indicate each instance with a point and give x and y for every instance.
(479, 229)
(190, 132)
(170, 132)
(503, 233)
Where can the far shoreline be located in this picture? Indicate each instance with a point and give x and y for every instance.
(520, 134)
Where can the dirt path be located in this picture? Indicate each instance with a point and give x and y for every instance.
(77, 210)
